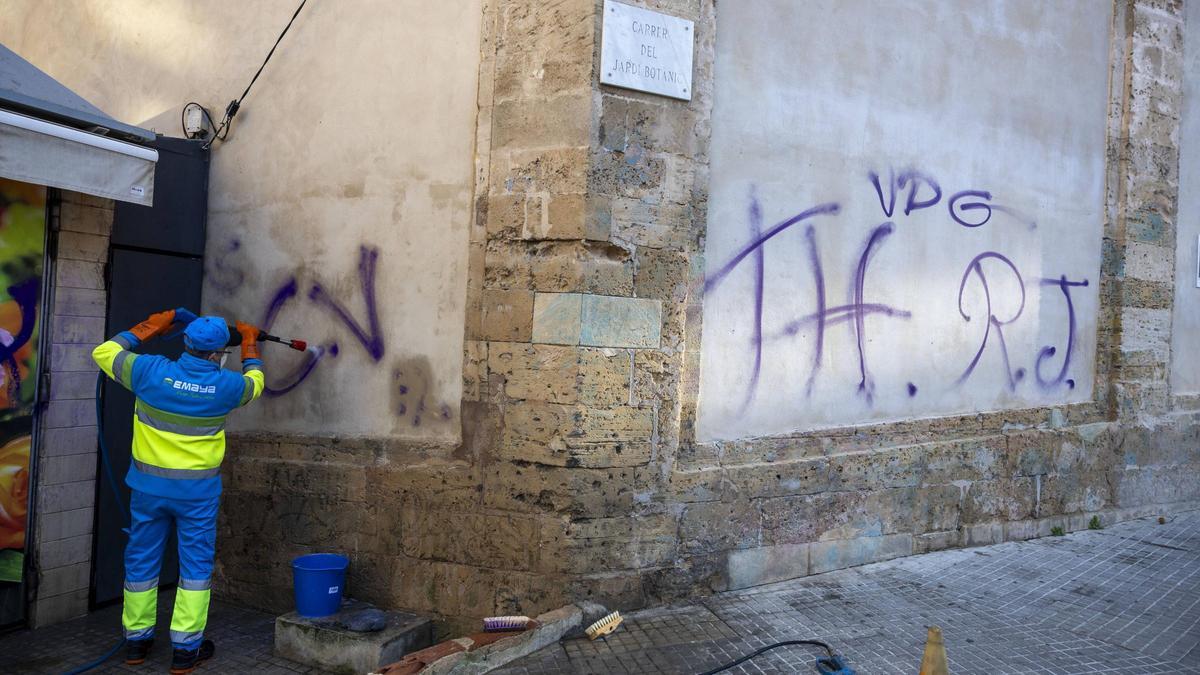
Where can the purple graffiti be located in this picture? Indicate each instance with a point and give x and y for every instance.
(890, 207)
(285, 293)
(866, 385)
(226, 276)
(912, 179)
(1016, 215)
(292, 380)
(992, 322)
(826, 316)
(821, 209)
(373, 342)
(909, 190)
(299, 374)
(760, 263)
(984, 206)
(972, 206)
(1065, 286)
(822, 315)
(854, 312)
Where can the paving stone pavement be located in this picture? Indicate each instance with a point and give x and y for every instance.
(243, 638)
(1120, 600)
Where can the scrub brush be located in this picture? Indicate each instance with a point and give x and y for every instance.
(500, 624)
(604, 626)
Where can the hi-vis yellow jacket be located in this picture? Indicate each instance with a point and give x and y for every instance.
(179, 417)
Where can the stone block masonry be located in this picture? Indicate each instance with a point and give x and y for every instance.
(597, 320)
(580, 475)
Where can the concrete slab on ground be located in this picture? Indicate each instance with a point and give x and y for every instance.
(329, 644)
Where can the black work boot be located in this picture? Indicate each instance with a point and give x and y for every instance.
(136, 651)
(185, 660)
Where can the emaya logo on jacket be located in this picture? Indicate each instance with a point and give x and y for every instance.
(190, 386)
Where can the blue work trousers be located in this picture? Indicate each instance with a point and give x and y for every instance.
(195, 523)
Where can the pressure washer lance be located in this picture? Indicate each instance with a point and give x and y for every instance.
(263, 336)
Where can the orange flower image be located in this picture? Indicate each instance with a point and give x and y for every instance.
(14, 492)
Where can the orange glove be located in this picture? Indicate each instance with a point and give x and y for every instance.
(249, 340)
(155, 325)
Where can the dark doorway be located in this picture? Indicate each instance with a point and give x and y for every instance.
(156, 262)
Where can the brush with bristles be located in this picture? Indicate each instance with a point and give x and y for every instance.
(604, 626)
(501, 624)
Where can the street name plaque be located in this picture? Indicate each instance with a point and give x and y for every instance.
(647, 51)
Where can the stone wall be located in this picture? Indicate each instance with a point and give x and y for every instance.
(580, 475)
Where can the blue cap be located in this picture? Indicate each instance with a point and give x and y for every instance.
(206, 334)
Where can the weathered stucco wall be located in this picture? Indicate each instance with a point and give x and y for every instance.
(340, 202)
(1185, 325)
(912, 227)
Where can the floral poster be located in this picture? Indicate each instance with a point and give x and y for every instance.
(22, 240)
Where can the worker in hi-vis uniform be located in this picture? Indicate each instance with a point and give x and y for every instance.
(175, 472)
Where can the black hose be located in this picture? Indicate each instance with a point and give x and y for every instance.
(785, 643)
(98, 662)
(112, 478)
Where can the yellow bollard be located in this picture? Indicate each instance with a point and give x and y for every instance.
(934, 662)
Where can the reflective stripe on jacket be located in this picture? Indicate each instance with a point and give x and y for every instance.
(179, 416)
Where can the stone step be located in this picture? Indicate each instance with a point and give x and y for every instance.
(330, 643)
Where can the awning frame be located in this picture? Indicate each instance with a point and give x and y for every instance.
(72, 134)
(47, 153)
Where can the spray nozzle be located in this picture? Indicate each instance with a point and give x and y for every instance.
(235, 339)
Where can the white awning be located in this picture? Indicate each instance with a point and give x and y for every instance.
(44, 153)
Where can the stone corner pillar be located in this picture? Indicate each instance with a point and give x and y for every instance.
(585, 256)
(1138, 270)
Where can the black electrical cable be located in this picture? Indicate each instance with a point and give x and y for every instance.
(785, 643)
(232, 108)
(104, 456)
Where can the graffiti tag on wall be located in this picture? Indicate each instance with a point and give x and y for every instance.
(991, 293)
(411, 382)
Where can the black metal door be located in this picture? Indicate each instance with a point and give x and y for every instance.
(156, 262)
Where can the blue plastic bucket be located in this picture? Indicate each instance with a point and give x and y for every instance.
(318, 580)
